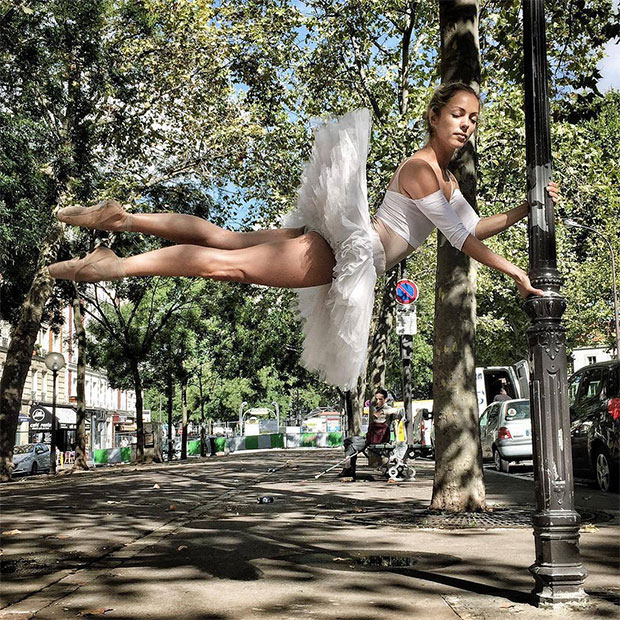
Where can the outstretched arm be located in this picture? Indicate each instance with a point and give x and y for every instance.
(421, 184)
(494, 224)
(477, 250)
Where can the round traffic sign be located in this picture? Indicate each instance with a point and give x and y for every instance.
(407, 292)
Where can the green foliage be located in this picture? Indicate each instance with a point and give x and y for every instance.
(25, 189)
(205, 108)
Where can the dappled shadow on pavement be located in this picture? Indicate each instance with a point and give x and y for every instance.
(223, 555)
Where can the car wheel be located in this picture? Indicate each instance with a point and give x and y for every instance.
(34, 469)
(500, 463)
(606, 476)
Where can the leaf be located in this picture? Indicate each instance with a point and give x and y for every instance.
(99, 611)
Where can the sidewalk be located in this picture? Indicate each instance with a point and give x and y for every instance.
(191, 541)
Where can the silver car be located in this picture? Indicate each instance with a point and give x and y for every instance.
(506, 433)
(30, 458)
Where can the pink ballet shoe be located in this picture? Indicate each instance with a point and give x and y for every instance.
(105, 215)
(100, 265)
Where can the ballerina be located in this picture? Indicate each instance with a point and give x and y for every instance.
(329, 248)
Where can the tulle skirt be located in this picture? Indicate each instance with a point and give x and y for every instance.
(333, 202)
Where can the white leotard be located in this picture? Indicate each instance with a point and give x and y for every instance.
(401, 218)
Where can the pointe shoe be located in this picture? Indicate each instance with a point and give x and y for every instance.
(100, 265)
(105, 215)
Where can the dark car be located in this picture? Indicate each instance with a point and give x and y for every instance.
(594, 397)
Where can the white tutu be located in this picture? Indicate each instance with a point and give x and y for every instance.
(333, 201)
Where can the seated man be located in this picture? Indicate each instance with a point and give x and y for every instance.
(380, 421)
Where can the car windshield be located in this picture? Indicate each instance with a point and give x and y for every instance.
(518, 411)
(23, 449)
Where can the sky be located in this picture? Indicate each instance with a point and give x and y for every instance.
(610, 65)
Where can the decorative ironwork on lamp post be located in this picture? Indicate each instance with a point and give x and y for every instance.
(558, 571)
(54, 362)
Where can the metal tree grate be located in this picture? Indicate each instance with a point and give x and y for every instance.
(498, 518)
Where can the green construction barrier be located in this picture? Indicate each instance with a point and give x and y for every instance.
(277, 440)
(334, 439)
(220, 444)
(193, 447)
(101, 457)
(308, 440)
(126, 454)
(251, 443)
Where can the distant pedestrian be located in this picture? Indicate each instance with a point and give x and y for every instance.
(502, 395)
(379, 424)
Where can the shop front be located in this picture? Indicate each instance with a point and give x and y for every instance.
(40, 427)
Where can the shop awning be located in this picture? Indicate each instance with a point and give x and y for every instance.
(41, 418)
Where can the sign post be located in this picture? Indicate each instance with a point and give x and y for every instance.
(407, 293)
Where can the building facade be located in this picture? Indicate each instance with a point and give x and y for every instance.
(106, 407)
(584, 356)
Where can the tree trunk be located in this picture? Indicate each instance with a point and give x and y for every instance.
(184, 419)
(355, 407)
(169, 398)
(203, 431)
(80, 336)
(19, 353)
(381, 337)
(459, 484)
(137, 381)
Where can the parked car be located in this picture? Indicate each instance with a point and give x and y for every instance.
(594, 399)
(506, 433)
(31, 458)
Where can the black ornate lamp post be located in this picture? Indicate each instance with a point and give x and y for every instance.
(54, 362)
(558, 571)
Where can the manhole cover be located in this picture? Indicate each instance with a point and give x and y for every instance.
(499, 518)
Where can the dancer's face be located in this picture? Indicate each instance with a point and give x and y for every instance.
(457, 120)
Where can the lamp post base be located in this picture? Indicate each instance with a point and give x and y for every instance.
(558, 572)
(554, 596)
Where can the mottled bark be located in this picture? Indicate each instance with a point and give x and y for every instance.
(458, 484)
(184, 419)
(19, 353)
(203, 430)
(169, 398)
(137, 380)
(80, 338)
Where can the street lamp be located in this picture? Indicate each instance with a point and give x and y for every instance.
(572, 224)
(54, 362)
(243, 405)
(558, 571)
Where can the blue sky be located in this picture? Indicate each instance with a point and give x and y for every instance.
(610, 65)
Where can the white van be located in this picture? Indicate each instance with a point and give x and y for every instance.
(515, 379)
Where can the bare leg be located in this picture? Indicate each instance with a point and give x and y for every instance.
(306, 260)
(196, 231)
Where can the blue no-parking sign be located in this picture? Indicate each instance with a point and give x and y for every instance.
(407, 292)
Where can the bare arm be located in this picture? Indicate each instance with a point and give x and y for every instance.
(477, 250)
(494, 224)
(418, 180)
